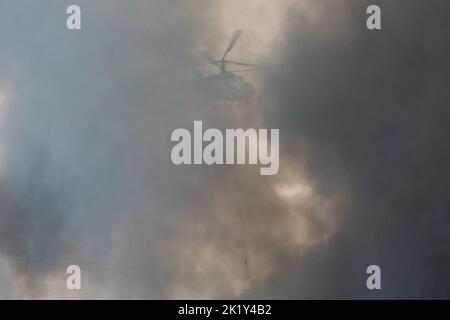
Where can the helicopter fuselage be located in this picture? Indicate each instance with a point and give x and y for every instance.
(226, 86)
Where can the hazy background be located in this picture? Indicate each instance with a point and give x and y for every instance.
(86, 176)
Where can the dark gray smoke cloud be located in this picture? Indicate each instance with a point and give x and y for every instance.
(373, 107)
(88, 180)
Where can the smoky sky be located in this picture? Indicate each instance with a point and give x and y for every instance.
(87, 178)
(81, 135)
(373, 108)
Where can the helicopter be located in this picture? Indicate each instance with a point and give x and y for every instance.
(226, 84)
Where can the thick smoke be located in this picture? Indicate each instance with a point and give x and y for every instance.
(87, 179)
(83, 132)
(373, 110)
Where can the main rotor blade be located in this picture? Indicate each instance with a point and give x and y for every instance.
(211, 60)
(243, 70)
(233, 40)
(243, 64)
